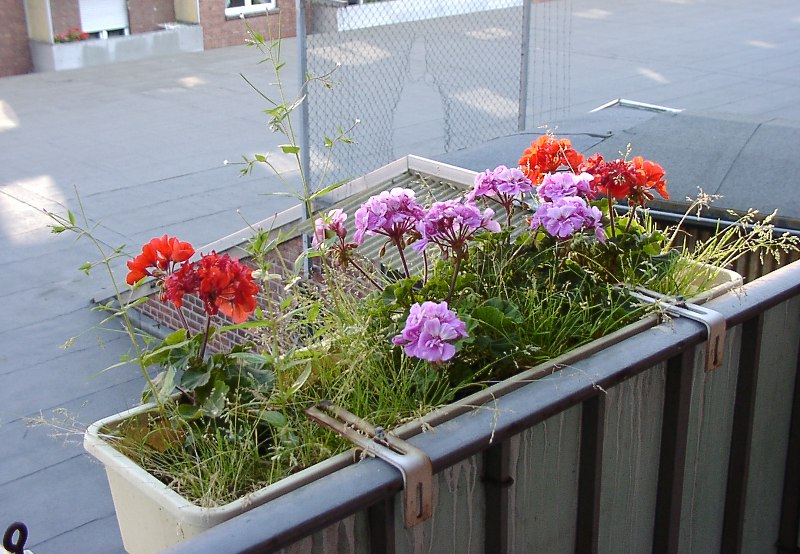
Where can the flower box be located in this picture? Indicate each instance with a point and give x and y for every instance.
(152, 516)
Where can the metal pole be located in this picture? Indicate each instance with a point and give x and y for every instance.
(523, 65)
(302, 72)
(305, 155)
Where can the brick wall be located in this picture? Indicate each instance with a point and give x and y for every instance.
(219, 31)
(146, 16)
(15, 56)
(66, 15)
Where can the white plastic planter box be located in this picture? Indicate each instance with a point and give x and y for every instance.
(152, 516)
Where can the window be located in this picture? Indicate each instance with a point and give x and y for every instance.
(104, 17)
(239, 7)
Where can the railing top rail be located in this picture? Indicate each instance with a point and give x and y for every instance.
(321, 503)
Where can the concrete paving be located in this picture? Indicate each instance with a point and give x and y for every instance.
(143, 143)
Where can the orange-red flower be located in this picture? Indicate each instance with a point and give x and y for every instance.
(180, 283)
(634, 180)
(545, 155)
(159, 254)
(227, 286)
(653, 176)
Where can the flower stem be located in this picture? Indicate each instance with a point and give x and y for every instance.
(366, 275)
(611, 214)
(205, 337)
(456, 266)
(403, 259)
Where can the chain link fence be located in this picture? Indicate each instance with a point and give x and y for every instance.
(422, 77)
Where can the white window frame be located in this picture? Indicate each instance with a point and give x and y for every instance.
(250, 8)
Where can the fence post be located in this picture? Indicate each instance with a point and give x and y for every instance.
(523, 65)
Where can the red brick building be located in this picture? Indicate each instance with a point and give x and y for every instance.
(32, 31)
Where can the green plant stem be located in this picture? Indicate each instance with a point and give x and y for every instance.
(611, 214)
(205, 337)
(456, 266)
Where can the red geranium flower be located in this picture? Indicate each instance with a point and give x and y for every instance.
(545, 155)
(179, 283)
(615, 178)
(161, 254)
(227, 286)
(634, 180)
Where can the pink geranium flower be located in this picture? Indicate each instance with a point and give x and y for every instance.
(430, 331)
(391, 213)
(559, 185)
(565, 216)
(451, 224)
(330, 225)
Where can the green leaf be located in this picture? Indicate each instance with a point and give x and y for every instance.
(164, 383)
(188, 411)
(258, 37)
(498, 314)
(215, 403)
(176, 337)
(301, 380)
(86, 267)
(253, 360)
(71, 217)
(261, 158)
(193, 378)
(289, 148)
(326, 190)
(276, 419)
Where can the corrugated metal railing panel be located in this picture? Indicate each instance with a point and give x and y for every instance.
(707, 450)
(543, 493)
(634, 449)
(772, 413)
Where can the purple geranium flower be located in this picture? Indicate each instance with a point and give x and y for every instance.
(567, 215)
(391, 213)
(430, 330)
(330, 225)
(559, 185)
(450, 224)
(500, 184)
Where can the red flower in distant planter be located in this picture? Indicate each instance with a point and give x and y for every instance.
(226, 285)
(73, 35)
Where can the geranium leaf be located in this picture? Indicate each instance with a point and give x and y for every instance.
(192, 379)
(276, 419)
(215, 402)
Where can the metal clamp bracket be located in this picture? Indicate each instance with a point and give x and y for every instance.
(412, 462)
(714, 321)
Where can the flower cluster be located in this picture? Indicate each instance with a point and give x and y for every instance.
(546, 155)
(635, 179)
(452, 224)
(563, 206)
(72, 35)
(329, 226)
(430, 331)
(158, 258)
(567, 215)
(391, 213)
(224, 285)
(503, 185)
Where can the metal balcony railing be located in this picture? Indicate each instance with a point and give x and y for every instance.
(633, 449)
